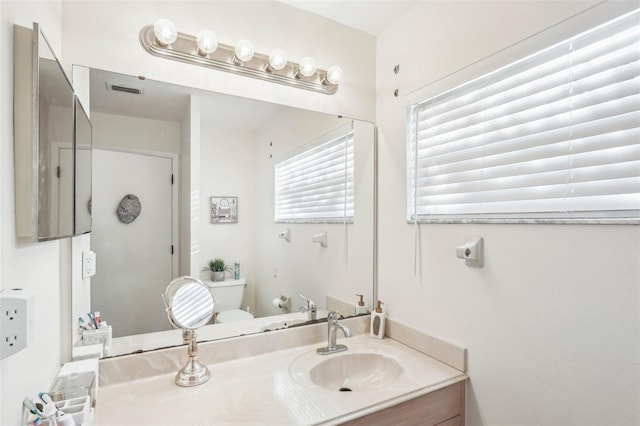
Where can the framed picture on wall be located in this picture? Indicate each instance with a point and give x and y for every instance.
(224, 209)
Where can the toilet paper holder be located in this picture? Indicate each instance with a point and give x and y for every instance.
(472, 251)
(285, 235)
(282, 302)
(320, 238)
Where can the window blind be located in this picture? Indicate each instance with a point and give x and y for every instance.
(555, 135)
(317, 184)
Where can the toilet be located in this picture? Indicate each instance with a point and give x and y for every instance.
(228, 295)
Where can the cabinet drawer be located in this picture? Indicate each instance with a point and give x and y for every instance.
(443, 407)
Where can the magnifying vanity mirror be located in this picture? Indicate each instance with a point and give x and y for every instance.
(189, 306)
(180, 151)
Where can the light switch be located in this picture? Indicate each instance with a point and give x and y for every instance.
(88, 264)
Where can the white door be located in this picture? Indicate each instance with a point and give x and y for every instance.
(134, 261)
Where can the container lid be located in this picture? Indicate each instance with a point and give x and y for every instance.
(233, 315)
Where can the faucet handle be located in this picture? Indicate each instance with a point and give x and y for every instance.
(310, 303)
(333, 316)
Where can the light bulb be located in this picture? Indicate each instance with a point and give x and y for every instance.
(244, 50)
(166, 33)
(207, 42)
(277, 59)
(307, 66)
(334, 75)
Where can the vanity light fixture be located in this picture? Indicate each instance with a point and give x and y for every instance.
(307, 67)
(277, 60)
(162, 39)
(207, 42)
(334, 75)
(244, 52)
(165, 32)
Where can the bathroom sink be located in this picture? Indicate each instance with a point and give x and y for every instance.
(357, 369)
(354, 372)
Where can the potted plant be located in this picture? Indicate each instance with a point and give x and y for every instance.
(218, 268)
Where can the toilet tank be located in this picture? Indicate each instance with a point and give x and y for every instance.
(228, 293)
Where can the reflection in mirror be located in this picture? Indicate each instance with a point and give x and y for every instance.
(55, 145)
(189, 306)
(148, 134)
(82, 141)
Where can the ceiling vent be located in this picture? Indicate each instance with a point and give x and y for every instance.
(124, 89)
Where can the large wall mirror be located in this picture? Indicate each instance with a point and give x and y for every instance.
(192, 174)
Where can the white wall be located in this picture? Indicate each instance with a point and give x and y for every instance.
(32, 266)
(228, 168)
(551, 321)
(132, 133)
(104, 35)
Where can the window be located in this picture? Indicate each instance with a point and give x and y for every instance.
(316, 184)
(554, 136)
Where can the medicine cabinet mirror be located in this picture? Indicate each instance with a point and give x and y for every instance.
(215, 146)
(45, 131)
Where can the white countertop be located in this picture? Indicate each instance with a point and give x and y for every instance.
(259, 390)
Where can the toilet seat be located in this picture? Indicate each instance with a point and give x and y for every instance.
(233, 315)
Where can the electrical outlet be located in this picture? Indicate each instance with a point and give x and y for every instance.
(16, 314)
(88, 264)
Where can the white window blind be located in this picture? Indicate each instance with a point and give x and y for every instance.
(317, 184)
(553, 136)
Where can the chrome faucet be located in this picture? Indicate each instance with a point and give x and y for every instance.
(333, 326)
(310, 309)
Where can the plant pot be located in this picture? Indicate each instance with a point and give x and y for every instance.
(217, 276)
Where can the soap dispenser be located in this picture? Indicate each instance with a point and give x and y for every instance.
(377, 322)
(360, 307)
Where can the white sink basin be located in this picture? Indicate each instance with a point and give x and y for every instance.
(360, 368)
(354, 372)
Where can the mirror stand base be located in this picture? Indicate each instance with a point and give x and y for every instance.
(193, 373)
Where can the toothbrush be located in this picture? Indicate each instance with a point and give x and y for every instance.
(93, 321)
(49, 411)
(34, 407)
(46, 398)
(82, 324)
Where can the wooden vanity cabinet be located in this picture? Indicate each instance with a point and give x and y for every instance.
(443, 407)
